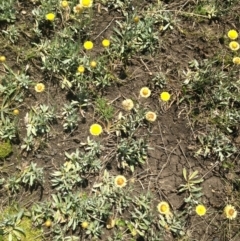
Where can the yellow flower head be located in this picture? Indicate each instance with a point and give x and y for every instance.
(48, 223)
(16, 112)
(120, 181)
(230, 212)
(81, 69)
(2, 58)
(233, 45)
(105, 43)
(127, 104)
(64, 4)
(145, 92)
(88, 45)
(200, 210)
(134, 232)
(50, 17)
(236, 60)
(165, 96)
(110, 223)
(232, 34)
(86, 3)
(151, 116)
(39, 87)
(95, 129)
(84, 224)
(136, 19)
(163, 208)
(93, 64)
(78, 9)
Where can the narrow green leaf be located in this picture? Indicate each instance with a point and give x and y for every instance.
(194, 174)
(185, 173)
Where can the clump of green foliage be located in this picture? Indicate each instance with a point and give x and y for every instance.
(5, 149)
(7, 11)
(15, 226)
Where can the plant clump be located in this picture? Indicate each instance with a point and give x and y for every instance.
(5, 149)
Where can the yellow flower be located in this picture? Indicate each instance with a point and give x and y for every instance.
(230, 212)
(236, 60)
(39, 87)
(127, 104)
(200, 210)
(86, 3)
(16, 112)
(105, 43)
(64, 4)
(93, 64)
(165, 96)
(232, 34)
(163, 208)
(120, 181)
(48, 223)
(84, 224)
(136, 19)
(81, 69)
(233, 45)
(145, 92)
(88, 45)
(50, 17)
(77, 9)
(134, 232)
(151, 116)
(95, 129)
(2, 58)
(110, 223)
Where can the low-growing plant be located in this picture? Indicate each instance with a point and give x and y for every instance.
(12, 184)
(8, 129)
(67, 177)
(191, 187)
(28, 143)
(159, 80)
(60, 56)
(68, 210)
(94, 229)
(11, 82)
(174, 223)
(40, 212)
(115, 196)
(131, 152)
(7, 11)
(16, 226)
(12, 34)
(142, 216)
(70, 116)
(131, 37)
(5, 149)
(10, 227)
(213, 95)
(209, 9)
(31, 176)
(104, 109)
(216, 144)
(38, 120)
(130, 123)
(122, 6)
(78, 166)
(12, 90)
